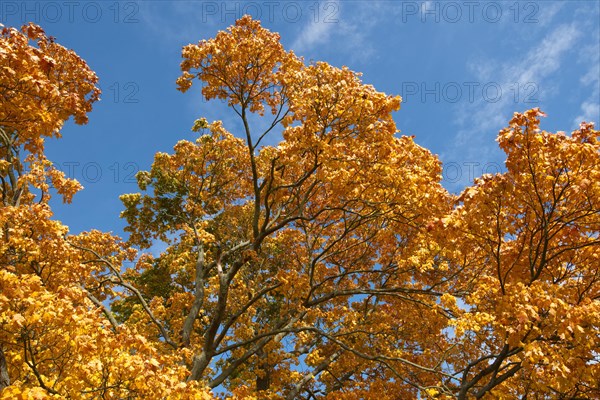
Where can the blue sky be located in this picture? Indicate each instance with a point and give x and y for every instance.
(462, 67)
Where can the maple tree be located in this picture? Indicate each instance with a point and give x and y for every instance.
(313, 254)
(526, 246)
(283, 259)
(54, 339)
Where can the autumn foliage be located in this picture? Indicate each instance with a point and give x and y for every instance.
(313, 254)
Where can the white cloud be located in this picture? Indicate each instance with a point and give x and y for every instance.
(590, 112)
(534, 74)
(521, 79)
(590, 108)
(544, 13)
(317, 31)
(542, 61)
(345, 31)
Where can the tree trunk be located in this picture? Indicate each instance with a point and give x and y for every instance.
(263, 382)
(4, 378)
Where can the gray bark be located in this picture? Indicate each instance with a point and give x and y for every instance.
(4, 378)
